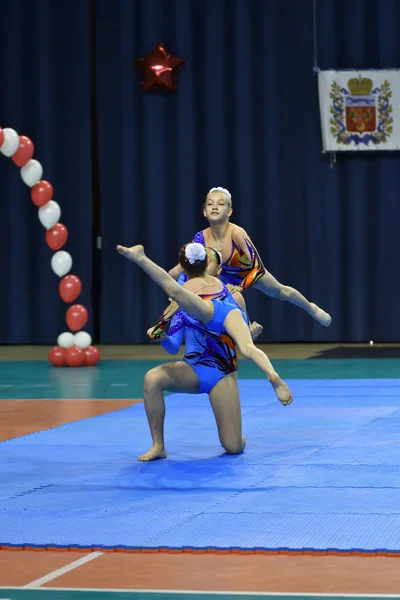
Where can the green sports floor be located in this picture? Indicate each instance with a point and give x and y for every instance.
(123, 379)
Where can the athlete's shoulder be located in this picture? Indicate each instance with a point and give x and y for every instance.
(238, 231)
(199, 237)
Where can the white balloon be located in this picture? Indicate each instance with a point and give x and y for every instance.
(49, 214)
(32, 172)
(61, 263)
(11, 142)
(66, 339)
(82, 339)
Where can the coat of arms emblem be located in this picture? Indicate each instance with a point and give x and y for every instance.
(361, 113)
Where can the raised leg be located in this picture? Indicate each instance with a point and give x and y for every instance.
(240, 333)
(192, 304)
(271, 287)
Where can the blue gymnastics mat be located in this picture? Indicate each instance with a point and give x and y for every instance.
(322, 474)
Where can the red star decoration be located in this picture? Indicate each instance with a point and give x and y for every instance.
(159, 69)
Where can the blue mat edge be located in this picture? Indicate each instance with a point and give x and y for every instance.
(194, 549)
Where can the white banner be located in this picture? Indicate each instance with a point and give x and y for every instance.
(360, 110)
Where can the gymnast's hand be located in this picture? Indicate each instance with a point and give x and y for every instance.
(162, 336)
(234, 288)
(256, 330)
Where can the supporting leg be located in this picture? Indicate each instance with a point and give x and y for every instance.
(174, 377)
(225, 402)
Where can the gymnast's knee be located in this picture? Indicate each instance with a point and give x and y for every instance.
(234, 446)
(274, 289)
(284, 292)
(154, 380)
(246, 349)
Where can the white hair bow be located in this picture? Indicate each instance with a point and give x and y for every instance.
(221, 189)
(194, 252)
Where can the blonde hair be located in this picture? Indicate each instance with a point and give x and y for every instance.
(221, 190)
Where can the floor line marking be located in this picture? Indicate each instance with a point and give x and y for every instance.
(205, 593)
(58, 572)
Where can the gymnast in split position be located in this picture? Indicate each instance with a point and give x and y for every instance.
(213, 324)
(242, 265)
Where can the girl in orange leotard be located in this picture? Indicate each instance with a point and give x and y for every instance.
(242, 266)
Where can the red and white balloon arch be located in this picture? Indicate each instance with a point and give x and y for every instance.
(74, 348)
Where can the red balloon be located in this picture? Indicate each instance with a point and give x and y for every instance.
(57, 356)
(77, 317)
(70, 287)
(75, 356)
(41, 193)
(1, 137)
(56, 236)
(92, 356)
(25, 151)
(159, 69)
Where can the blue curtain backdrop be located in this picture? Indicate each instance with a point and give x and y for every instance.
(246, 116)
(45, 94)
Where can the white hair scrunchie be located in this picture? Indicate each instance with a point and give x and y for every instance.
(195, 252)
(221, 189)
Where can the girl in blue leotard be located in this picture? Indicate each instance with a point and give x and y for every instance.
(209, 350)
(219, 324)
(214, 268)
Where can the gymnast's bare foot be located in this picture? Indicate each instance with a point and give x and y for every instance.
(281, 390)
(320, 315)
(153, 454)
(134, 253)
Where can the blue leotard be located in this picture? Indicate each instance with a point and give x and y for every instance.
(210, 351)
